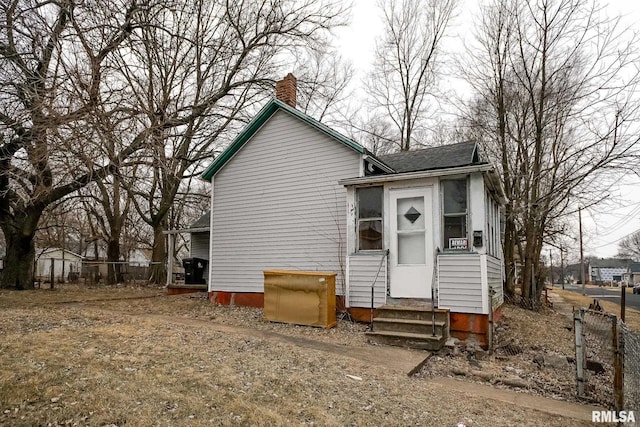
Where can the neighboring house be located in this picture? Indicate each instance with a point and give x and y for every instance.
(199, 233)
(138, 258)
(607, 270)
(291, 193)
(199, 238)
(62, 263)
(632, 275)
(133, 265)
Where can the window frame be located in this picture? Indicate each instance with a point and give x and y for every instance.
(465, 214)
(369, 218)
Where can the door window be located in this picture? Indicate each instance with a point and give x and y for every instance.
(410, 226)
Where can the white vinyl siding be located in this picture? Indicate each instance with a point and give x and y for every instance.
(277, 205)
(494, 279)
(362, 269)
(460, 283)
(200, 245)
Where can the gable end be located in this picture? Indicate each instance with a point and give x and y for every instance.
(265, 114)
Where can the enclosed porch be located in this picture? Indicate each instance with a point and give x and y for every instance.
(425, 251)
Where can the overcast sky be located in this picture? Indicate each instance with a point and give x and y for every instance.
(604, 226)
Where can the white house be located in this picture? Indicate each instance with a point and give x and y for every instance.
(65, 264)
(607, 270)
(290, 193)
(632, 276)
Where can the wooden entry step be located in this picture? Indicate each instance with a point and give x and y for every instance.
(410, 326)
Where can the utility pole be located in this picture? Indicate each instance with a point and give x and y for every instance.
(562, 267)
(551, 267)
(581, 252)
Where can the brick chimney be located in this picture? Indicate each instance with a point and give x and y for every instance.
(286, 90)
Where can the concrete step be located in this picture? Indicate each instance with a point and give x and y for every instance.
(409, 325)
(410, 312)
(407, 340)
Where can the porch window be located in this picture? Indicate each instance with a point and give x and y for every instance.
(369, 218)
(454, 197)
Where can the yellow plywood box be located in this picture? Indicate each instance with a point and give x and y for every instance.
(300, 297)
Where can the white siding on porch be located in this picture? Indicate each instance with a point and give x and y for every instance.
(277, 205)
(362, 270)
(460, 283)
(200, 248)
(200, 245)
(494, 278)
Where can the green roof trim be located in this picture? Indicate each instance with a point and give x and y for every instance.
(257, 122)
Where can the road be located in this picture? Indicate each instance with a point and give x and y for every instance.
(606, 293)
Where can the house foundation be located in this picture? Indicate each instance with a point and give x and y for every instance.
(242, 299)
(463, 326)
(185, 289)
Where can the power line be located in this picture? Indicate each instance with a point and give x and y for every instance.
(617, 240)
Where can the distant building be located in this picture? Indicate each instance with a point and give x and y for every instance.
(64, 264)
(608, 270)
(632, 275)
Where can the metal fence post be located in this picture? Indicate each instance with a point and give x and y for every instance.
(490, 331)
(578, 327)
(618, 365)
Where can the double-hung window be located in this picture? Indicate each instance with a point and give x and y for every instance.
(454, 198)
(369, 201)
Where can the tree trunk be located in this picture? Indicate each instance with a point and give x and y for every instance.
(158, 270)
(113, 258)
(528, 292)
(18, 263)
(509, 253)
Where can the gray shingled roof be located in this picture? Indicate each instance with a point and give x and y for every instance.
(635, 267)
(610, 262)
(202, 222)
(442, 157)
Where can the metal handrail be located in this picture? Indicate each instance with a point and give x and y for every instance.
(373, 284)
(433, 293)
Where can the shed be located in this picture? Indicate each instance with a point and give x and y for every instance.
(62, 263)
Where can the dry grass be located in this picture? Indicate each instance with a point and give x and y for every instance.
(522, 336)
(632, 316)
(111, 363)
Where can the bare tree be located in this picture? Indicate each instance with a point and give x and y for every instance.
(407, 63)
(323, 78)
(196, 71)
(629, 247)
(556, 107)
(109, 206)
(53, 66)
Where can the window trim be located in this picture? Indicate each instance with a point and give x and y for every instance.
(444, 215)
(359, 220)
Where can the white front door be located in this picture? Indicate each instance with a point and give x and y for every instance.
(411, 250)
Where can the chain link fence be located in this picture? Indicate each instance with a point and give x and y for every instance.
(596, 356)
(630, 341)
(95, 273)
(607, 360)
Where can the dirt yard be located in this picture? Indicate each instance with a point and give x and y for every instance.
(136, 357)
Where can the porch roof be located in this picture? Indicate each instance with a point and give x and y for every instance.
(374, 179)
(442, 157)
(202, 225)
